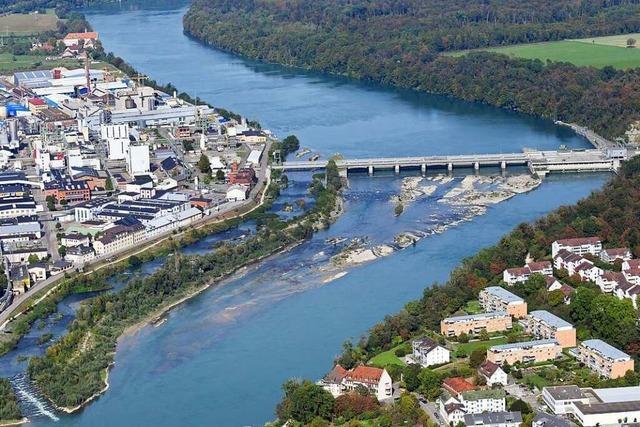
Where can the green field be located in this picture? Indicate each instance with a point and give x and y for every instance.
(10, 63)
(470, 346)
(387, 358)
(595, 52)
(25, 24)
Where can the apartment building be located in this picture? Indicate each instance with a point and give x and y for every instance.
(118, 238)
(512, 276)
(614, 254)
(545, 325)
(524, 352)
(495, 298)
(579, 246)
(604, 359)
(473, 324)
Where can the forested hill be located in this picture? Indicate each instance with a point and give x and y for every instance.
(402, 26)
(398, 42)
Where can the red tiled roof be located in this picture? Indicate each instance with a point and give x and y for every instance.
(577, 241)
(616, 251)
(488, 368)
(36, 101)
(539, 266)
(365, 374)
(457, 385)
(82, 36)
(633, 263)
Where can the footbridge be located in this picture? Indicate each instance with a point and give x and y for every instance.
(540, 163)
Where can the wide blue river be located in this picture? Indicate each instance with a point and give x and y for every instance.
(220, 358)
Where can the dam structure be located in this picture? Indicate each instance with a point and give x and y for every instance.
(540, 163)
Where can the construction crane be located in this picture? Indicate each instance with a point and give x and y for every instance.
(139, 78)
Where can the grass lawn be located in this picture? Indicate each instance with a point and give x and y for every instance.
(473, 307)
(25, 24)
(619, 40)
(470, 346)
(536, 380)
(579, 52)
(387, 358)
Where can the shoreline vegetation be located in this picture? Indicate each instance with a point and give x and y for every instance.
(401, 44)
(74, 370)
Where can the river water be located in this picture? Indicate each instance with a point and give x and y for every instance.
(220, 358)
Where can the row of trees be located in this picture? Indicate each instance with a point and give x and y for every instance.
(9, 409)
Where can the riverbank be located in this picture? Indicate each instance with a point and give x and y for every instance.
(14, 422)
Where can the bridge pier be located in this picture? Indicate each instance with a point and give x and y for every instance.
(423, 169)
(370, 169)
(476, 168)
(450, 167)
(396, 169)
(503, 165)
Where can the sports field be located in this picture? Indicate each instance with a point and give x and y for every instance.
(596, 52)
(25, 24)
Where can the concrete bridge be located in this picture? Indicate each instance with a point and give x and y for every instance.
(539, 162)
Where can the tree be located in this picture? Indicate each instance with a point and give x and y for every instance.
(108, 185)
(520, 405)
(410, 376)
(33, 258)
(304, 402)
(429, 383)
(220, 175)
(477, 357)
(463, 338)
(204, 165)
(290, 144)
(62, 250)
(351, 405)
(51, 203)
(631, 42)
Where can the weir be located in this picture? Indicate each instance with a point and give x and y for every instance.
(540, 163)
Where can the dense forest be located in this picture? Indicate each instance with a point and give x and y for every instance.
(399, 43)
(74, 368)
(9, 409)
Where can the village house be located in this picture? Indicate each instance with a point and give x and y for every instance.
(73, 39)
(473, 324)
(20, 279)
(614, 254)
(554, 284)
(471, 402)
(631, 270)
(74, 239)
(37, 271)
(578, 246)
(511, 276)
(575, 264)
(628, 290)
(79, 255)
(492, 373)
(545, 325)
(493, 419)
(524, 352)
(495, 298)
(428, 352)
(456, 386)
(339, 381)
(603, 359)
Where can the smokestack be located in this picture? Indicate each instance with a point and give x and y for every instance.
(86, 72)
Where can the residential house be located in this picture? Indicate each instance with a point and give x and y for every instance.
(473, 324)
(237, 192)
(37, 271)
(554, 284)
(511, 276)
(74, 239)
(542, 419)
(428, 352)
(493, 419)
(492, 373)
(604, 359)
(339, 381)
(454, 408)
(59, 267)
(610, 280)
(525, 352)
(628, 290)
(20, 279)
(456, 386)
(545, 325)
(614, 254)
(79, 255)
(631, 271)
(495, 298)
(579, 246)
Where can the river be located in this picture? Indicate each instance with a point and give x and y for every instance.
(220, 358)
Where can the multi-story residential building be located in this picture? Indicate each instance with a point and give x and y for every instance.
(614, 254)
(524, 352)
(511, 276)
(456, 386)
(628, 290)
(631, 271)
(579, 246)
(493, 419)
(339, 381)
(495, 298)
(454, 407)
(604, 359)
(427, 352)
(473, 324)
(120, 237)
(545, 325)
(610, 280)
(74, 239)
(576, 264)
(79, 255)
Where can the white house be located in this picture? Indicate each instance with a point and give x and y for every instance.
(611, 255)
(79, 255)
(512, 276)
(492, 373)
(494, 419)
(339, 381)
(453, 409)
(427, 352)
(237, 193)
(610, 280)
(579, 246)
(631, 270)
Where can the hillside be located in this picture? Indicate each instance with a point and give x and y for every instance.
(399, 43)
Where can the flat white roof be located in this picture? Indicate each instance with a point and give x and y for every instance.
(618, 394)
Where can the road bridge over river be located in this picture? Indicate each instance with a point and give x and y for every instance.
(540, 163)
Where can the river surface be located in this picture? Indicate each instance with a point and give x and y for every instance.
(220, 358)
